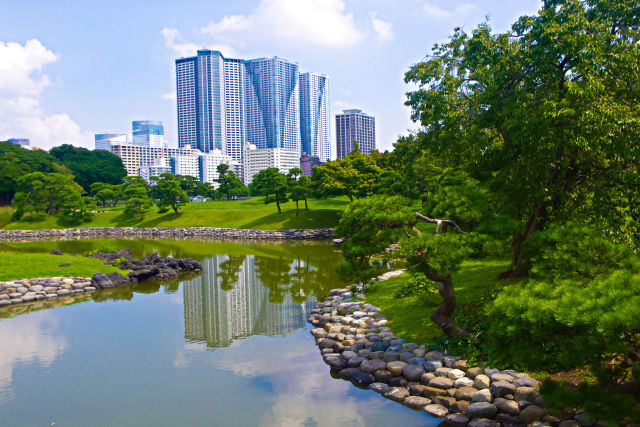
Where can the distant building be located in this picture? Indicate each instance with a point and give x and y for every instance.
(134, 156)
(148, 133)
(103, 141)
(209, 163)
(355, 126)
(314, 115)
(159, 167)
(186, 165)
(308, 162)
(24, 142)
(257, 159)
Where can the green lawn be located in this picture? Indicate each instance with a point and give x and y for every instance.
(409, 317)
(19, 265)
(5, 215)
(252, 213)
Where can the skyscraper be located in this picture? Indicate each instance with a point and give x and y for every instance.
(355, 126)
(148, 133)
(227, 103)
(210, 95)
(103, 141)
(314, 115)
(273, 106)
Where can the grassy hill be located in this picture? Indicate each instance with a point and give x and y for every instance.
(252, 213)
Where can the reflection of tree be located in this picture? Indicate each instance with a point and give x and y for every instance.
(274, 275)
(230, 270)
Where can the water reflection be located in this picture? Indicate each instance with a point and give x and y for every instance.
(27, 341)
(241, 296)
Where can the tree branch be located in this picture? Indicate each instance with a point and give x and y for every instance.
(439, 222)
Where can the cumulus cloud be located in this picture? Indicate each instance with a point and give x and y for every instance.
(322, 23)
(382, 29)
(22, 83)
(174, 41)
(434, 11)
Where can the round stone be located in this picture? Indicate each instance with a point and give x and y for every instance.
(348, 354)
(502, 388)
(526, 393)
(416, 402)
(502, 377)
(396, 367)
(482, 410)
(382, 376)
(362, 378)
(381, 388)
(457, 420)
(354, 362)
(441, 382)
(463, 382)
(465, 393)
(436, 410)
(507, 406)
(532, 413)
(483, 395)
(432, 365)
(454, 374)
(413, 372)
(373, 365)
(398, 394)
(481, 381)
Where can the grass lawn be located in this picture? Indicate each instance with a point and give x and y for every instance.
(409, 316)
(20, 265)
(252, 213)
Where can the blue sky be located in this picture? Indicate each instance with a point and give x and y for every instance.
(69, 69)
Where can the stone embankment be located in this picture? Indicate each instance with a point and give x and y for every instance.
(356, 343)
(152, 267)
(18, 291)
(168, 233)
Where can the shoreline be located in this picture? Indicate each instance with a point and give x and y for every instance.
(184, 233)
(358, 345)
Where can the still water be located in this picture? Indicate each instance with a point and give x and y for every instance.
(228, 347)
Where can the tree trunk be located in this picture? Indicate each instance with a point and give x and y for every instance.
(442, 316)
(278, 203)
(306, 206)
(297, 209)
(350, 197)
(517, 269)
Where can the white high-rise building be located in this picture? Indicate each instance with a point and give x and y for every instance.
(186, 165)
(314, 115)
(355, 126)
(209, 163)
(159, 167)
(257, 159)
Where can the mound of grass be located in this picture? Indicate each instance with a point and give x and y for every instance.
(19, 265)
(252, 214)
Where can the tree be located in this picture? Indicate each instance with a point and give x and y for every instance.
(270, 182)
(298, 187)
(228, 184)
(137, 200)
(90, 166)
(16, 162)
(49, 194)
(170, 193)
(106, 196)
(355, 175)
(192, 185)
(545, 115)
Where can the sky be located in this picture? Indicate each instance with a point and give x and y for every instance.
(70, 69)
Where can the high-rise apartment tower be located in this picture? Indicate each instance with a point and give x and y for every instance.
(314, 115)
(355, 126)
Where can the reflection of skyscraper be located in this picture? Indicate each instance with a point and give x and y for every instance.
(218, 317)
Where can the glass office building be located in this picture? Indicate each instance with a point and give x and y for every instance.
(355, 126)
(314, 115)
(148, 133)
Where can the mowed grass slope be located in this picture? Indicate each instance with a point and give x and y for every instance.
(20, 265)
(252, 213)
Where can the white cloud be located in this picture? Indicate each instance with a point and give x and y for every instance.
(173, 40)
(170, 96)
(383, 29)
(322, 23)
(434, 11)
(22, 83)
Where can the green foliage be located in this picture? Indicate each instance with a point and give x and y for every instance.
(137, 200)
(192, 186)
(422, 289)
(50, 194)
(16, 162)
(90, 166)
(100, 250)
(272, 184)
(299, 187)
(542, 115)
(370, 226)
(120, 260)
(466, 204)
(576, 252)
(600, 403)
(228, 184)
(355, 176)
(169, 192)
(434, 253)
(566, 323)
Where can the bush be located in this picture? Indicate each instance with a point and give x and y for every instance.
(34, 217)
(566, 323)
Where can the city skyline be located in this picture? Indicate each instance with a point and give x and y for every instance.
(63, 81)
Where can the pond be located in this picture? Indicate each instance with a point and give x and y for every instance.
(228, 347)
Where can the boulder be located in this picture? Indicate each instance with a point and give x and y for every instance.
(413, 372)
(362, 378)
(441, 382)
(525, 381)
(483, 395)
(473, 372)
(465, 393)
(507, 406)
(502, 388)
(483, 422)
(463, 382)
(373, 365)
(532, 413)
(398, 394)
(526, 393)
(381, 388)
(482, 410)
(346, 373)
(99, 280)
(436, 410)
(336, 363)
(382, 375)
(481, 381)
(457, 420)
(416, 402)
(396, 367)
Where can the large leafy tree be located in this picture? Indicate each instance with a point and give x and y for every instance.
(16, 162)
(137, 200)
(49, 194)
(545, 115)
(299, 187)
(228, 184)
(89, 166)
(272, 183)
(169, 192)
